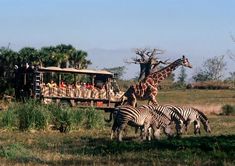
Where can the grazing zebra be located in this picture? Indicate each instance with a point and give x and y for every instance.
(174, 116)
(190, 115)
(204, 120)
(140, 117)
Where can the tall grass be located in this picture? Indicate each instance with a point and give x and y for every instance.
(15, 151)
(33, 115)
(95, 118)
(8, 118)
(62, 118)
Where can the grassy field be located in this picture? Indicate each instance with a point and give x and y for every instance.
(208, 101)
(94, 147)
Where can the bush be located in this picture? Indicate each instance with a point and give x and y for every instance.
(15, 151)
(62, 118)
(209, 85)
(9, 118)
(32, 115)
(95, 118)
(79, 117)
(228, 110)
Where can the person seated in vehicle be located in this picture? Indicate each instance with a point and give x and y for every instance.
(51, 84)
(62, 84)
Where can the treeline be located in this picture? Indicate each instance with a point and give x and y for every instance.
(209, 76)
(61, 56)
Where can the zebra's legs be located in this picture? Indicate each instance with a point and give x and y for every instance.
(187, 123)
(197, 127)
(149, 133)
(145, 130)
(119, 135)
(114, 128)
(120, 130)
(152, 100)
(179, 127)
(133, 102)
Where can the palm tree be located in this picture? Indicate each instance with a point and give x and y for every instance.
(78, 60)
(29, 55)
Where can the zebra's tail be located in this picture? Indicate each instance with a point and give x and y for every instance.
(112, 115)
(110, 118)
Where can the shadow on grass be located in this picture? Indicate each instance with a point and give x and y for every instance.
(205, 144)
(104, 146)
(103, 151)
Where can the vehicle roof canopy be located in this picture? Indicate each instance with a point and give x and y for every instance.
(77, 71)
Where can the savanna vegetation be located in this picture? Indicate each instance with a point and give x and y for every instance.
(35, 134)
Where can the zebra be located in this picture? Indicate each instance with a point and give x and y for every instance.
(140, 117)
(204, 120)
(175, 117)
(190, 115)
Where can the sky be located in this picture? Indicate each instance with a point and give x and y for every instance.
(110, 30)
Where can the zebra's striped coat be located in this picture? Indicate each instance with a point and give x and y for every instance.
(172, 115)
(190, 115)
(140, 117)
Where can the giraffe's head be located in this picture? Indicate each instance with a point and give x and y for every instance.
(185, 62)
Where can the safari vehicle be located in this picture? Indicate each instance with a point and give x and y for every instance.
(82, 88)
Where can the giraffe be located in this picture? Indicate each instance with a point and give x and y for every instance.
(147, 88)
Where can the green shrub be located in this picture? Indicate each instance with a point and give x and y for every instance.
(14, 151)
(95, 118)
(9, 119)
(62, 118)
(79, 117)
(32, 115)
(228, 110)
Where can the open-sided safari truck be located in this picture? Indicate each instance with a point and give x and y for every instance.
(82, 88)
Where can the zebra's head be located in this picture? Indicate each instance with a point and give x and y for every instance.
(207, 126)
(204, 120)
(179, 127)
(169, 131)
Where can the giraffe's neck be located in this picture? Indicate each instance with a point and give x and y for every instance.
(162, 74)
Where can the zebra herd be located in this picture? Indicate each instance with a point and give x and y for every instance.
(152, 119)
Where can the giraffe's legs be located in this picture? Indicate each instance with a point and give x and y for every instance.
(152, 99)
(133, 101)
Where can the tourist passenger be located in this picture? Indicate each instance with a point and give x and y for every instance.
(51, 84)
(62, 84)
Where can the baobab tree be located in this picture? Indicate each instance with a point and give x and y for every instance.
(148, 61)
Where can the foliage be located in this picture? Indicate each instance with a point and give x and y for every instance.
(8, 118)
(228, 110)
(213, 69)
(61, 55)
(210, 85)
(118, 71)
(125, 84)
(79, 116)
(14, 151)
(62, 118)
(95, 118)
(182, 76)
(32, 115)
(91, 147)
